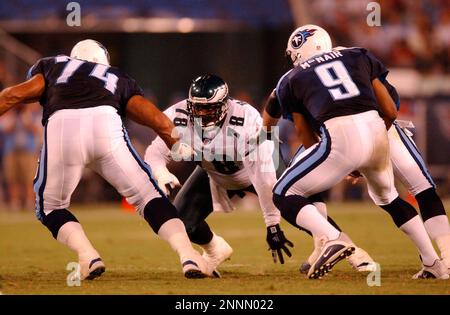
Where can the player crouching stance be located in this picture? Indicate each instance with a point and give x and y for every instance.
(223, 131)
(84, 101)
(340, 96)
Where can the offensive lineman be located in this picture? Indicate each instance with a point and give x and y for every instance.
(219, 129)
(335, 94)
(84, 101)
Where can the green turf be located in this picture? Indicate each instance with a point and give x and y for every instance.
(32, 262)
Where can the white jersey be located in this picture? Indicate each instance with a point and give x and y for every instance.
(227, 153)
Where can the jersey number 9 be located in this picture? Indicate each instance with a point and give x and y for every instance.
(335, 76)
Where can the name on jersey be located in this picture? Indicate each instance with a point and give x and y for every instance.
(322, 58)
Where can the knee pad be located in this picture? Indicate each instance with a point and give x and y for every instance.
(200, 234)
(400, 211)
(430, 204)
(158, 211)
(57, 218)
(290, 206)
(316, 198)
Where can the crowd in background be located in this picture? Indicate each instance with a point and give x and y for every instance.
(413, 34)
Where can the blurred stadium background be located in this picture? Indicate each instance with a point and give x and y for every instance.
(164, 44)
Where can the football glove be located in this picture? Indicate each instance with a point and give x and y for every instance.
(182, 152)
(166, 180)
(277, 242)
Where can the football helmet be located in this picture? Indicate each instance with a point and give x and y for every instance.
(208, 100)
(307, 41)
(90, 50)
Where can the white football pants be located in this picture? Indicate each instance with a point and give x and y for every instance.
(94, 138)
(348, 143)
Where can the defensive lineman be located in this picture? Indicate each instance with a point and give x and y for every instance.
(220, 129)
(336, 94)
(84, 101)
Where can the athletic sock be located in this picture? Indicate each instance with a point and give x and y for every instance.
(174, 233)
(211, 245)
(72, 235)
(437, 226)
(321, 207)
(443, 242)
(310, 219)
(415, 230)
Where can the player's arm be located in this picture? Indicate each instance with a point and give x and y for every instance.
(387, 106)
(26, 92)
(261, 171)
(158, 156)
(393, 93)
(272, 112)
(146, 113)
(306, 133)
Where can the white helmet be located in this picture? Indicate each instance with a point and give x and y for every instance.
(307, 41)
(90, 50)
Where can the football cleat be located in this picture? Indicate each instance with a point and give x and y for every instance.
(443, 243)
(216, 252)
(361, 260)
(436, 271)
(192, 271)
(332, 252)
(304, 268)
(93, 270)
(195, 267)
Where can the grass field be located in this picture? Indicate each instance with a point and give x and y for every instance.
(137, 262)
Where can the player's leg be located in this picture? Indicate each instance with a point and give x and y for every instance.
(123, 168)
(380, 180)
(59, 170)
(410, 168)
(194, 204)
(359, 260)
(316, 169)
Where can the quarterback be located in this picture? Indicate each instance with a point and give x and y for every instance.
(339, 97)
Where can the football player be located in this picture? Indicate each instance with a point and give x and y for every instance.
(84, 100)
(220, 129)
(411, 170)
(336, 94)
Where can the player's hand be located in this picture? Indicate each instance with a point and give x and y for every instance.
(354, 177)
(182, 151)
(277, 242)
(166, 180)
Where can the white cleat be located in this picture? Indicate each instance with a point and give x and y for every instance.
(92, 269)
(195, 267)
(304, 268)
(216, 252)
(332, 252)
(443, 243)
(361, 261)
(436, 271)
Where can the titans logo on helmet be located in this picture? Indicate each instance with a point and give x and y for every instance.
(300, 38)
